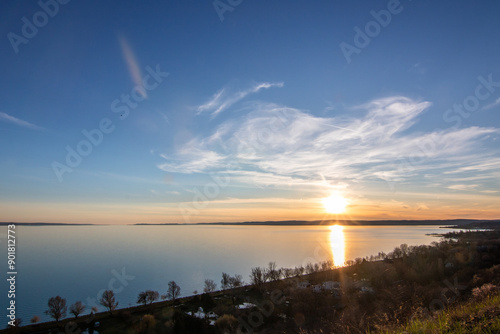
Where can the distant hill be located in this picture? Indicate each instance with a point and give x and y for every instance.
(454, 223)
(42, 224)
(446, 222)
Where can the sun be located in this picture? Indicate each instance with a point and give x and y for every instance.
(335, 203)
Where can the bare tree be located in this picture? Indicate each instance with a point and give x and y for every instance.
(148, 297)
(210, 286)
(257, 277)
(173, 290)
(309, 268)
(77, 309)
(288, 272)
(299, 271)
(35, 319)
(108, 300)
(235, 281)
(57, 308)
(326, 265)
(224, 283)
(272, 273)
(229, 282)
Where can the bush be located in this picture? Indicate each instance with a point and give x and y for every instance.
(484, 291)
(148, 323)
(226, 324)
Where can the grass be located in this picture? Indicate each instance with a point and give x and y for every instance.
(475, 316)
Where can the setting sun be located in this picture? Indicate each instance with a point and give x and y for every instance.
(335, 203)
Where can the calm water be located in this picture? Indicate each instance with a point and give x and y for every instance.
(77, 262)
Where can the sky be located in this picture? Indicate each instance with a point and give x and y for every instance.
(236, 110)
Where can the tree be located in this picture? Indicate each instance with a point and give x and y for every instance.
(173, 290)
(148, 296)
(77, 309)
(35, 319)
(286, 272)
(210, 286)
(108, 300)
(326, 265)
(57, 308)
(299, 271)
(272, 273)
(257, 277)
(231, 282)
(224, 283)
(94, 309)
(235, 281)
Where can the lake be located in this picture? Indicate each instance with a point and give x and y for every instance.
(79, 262)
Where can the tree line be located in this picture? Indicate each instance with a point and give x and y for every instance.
(57, 306)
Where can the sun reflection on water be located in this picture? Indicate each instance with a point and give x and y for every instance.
(337, 244)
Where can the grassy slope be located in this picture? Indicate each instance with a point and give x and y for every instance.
(472, 317)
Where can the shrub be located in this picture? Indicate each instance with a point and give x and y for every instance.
(484, 291)
(226, 323)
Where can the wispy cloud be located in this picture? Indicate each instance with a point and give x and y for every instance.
(277, 145)
(491, 105)
(463, 187)
(192, 159)
(11, 119)
(223, 99)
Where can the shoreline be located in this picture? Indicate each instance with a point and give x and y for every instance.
(445, 223)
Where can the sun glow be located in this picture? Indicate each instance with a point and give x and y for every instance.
(336, 203)
(337, 244)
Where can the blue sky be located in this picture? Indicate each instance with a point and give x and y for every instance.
(248, 110)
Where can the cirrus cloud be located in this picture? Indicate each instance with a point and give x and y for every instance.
(278, 145)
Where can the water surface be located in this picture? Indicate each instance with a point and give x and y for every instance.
(79, 262)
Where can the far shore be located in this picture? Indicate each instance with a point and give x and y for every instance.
(445, 223)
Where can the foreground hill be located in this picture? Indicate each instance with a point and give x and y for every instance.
(481, 314)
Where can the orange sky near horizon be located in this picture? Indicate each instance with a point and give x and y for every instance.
(449, 206)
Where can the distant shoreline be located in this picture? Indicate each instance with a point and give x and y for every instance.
(48, 224)
(452, 223)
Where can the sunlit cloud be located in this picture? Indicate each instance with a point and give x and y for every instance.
(274, 145)
(223, 99)
(132, 65)
(14, 120)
